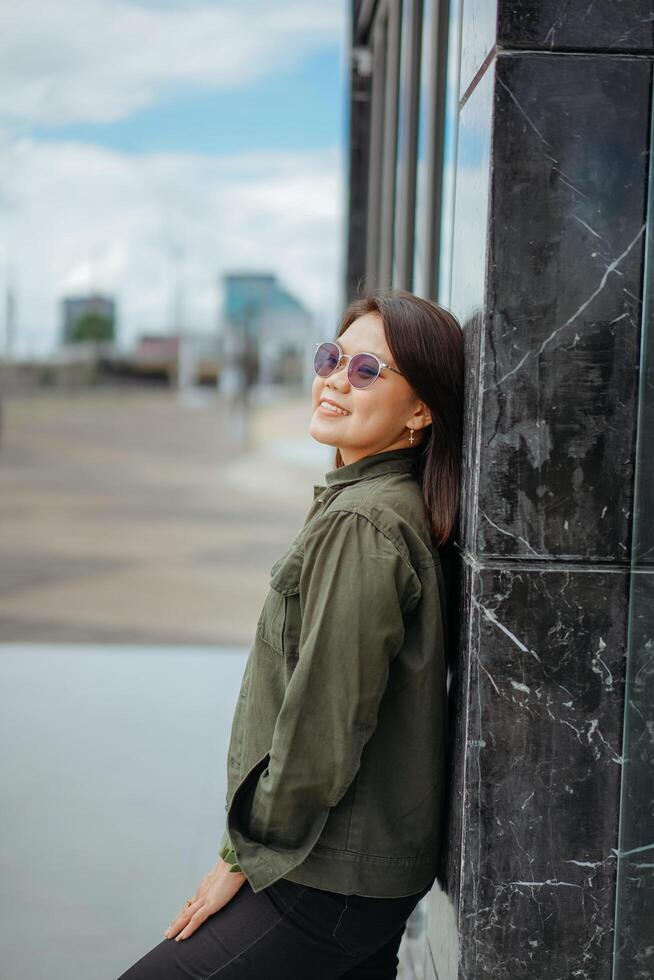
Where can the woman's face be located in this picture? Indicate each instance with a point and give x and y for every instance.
(379, 414)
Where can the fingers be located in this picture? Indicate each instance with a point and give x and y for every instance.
(187, 921)
(214, 892)
(194, 923)
(182, 919)
(189, 905)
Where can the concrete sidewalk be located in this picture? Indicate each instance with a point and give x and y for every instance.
(133, 517)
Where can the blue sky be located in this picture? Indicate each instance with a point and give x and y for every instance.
(132, 131)
(301, 108)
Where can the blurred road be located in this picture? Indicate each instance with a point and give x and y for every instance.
(134, 516)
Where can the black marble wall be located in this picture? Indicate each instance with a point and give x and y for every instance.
(580, 25)
(550, 232)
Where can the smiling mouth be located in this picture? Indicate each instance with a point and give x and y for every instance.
(333, 410)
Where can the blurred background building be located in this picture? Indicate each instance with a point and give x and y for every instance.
(88, 318)
(269, 328)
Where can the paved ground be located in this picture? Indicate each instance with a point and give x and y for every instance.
(135, 516)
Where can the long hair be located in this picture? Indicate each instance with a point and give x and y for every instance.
(426, 341)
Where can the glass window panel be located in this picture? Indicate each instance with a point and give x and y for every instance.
(402, 127)
(424, 280)
(422, 196)
(449, 153)
(388, 190)
(377, 113)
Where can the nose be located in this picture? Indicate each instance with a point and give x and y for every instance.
(339, 373)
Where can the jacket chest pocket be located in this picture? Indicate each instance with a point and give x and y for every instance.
(279, 622)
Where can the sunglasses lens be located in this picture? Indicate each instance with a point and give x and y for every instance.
(363, 370)
(326, 359)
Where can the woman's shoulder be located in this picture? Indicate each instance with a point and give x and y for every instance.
(393, 505)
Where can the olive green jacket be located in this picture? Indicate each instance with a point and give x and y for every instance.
(337, 750)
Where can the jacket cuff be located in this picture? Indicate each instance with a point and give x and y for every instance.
(227, 853)
(225, 844)
(264, 863)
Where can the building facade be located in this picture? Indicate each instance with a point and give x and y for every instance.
(500, 163)
(74, 308)
(266, 325)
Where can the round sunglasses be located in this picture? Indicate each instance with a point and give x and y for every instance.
(363, 369)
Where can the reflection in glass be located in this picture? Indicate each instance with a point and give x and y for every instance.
(422, 212)
(449, 154)
(427, 280)
(388, 195)
(403, 253)
(373, 229)
(403, 126)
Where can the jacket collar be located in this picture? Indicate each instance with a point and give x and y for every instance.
(403, 460)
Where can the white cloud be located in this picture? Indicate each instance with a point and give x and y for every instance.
(82, 217)
(75, 216)
(100, 60)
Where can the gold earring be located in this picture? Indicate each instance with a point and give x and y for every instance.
(411, 437)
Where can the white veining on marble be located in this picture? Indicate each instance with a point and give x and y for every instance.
(517, 537)
(612, 267)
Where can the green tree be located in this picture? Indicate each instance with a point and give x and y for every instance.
(92, 326)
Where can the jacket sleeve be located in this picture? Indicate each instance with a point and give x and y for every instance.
(355, 588)
(227, 853)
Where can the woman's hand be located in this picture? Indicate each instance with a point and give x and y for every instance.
(216, 889)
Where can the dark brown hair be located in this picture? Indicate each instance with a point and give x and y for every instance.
(426, 341)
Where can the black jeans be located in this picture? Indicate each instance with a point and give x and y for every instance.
(286, 932)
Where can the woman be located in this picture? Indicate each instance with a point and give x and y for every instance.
(336, 760)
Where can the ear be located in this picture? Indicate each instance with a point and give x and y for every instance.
(422, 416)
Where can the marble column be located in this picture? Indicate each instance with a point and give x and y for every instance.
(549, 240)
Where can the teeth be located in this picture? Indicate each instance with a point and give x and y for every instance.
(333, 408)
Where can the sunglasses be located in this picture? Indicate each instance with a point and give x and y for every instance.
(363, 369)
